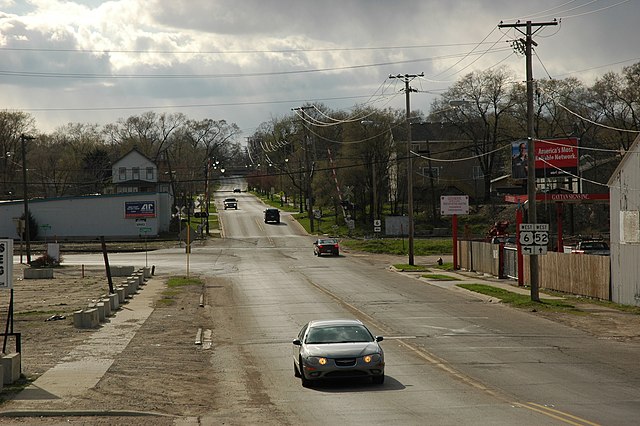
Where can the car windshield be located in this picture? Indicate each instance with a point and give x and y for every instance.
(327, 242)
(339, 334)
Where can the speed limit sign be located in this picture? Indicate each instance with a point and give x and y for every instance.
(534, 238)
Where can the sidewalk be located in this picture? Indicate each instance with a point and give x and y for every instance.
(58, 388)
(468, 277)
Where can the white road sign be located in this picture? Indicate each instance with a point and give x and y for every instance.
(454, 204)
(534, 238)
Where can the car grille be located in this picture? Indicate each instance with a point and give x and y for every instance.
(346, 362)
(346, 373)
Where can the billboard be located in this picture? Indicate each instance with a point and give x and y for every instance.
(137, 209)
(553, 157)
(556, 157)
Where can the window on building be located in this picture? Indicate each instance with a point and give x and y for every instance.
(135, 173)
(122, 173)
(435, 173)
(150, 173)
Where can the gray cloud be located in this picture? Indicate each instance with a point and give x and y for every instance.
(213, 38)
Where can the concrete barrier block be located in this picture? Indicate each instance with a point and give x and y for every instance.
(121, 271)
(77, 319)
(146, 272)
(115, 301)
(86, 318)
(101, 314)
(122, 295)
(133, 285)
(38, 273)
(11, 368)
(107, 306)
(138, 276)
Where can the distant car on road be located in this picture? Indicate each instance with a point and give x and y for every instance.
(326, 246)
(237, 190)
(337, 349)
(272, 215)
(230, 203)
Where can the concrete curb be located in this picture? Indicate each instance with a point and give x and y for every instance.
(81, 413)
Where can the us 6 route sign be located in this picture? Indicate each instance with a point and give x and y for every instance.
(534, 238)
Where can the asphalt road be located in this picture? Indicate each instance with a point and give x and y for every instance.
(451, 358)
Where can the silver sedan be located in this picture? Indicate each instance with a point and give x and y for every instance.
(337, 349)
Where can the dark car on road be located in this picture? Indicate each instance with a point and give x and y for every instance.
(326, 246)
(337, 349)
(272, 215)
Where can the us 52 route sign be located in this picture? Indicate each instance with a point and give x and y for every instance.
(534, 238)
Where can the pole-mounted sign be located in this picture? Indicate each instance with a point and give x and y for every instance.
(6, 263)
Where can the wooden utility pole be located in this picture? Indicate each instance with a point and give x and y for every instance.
(531, 165)
(407, 90)
(309, 172)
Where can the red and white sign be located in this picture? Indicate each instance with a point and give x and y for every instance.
(454, 204)
(556, 157)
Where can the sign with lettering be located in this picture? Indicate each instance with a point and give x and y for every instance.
(556, 157)
(534, 238)
(454, 204)
(6, 263)
(136, 209)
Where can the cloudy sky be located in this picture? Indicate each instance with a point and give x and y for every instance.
(248, 61)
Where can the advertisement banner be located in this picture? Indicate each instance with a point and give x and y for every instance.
(553, 157)
(137, 209)
(556, 157)
(6, 264)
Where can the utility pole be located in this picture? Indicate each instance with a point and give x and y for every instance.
(309, 172)
(531, 164)
(27, 230)
(407, 90)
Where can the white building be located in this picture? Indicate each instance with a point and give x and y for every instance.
(137, 208)
(624, 190)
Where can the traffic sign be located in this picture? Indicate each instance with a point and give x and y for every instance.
(534, 238)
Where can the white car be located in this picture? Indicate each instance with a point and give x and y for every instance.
(337, 349)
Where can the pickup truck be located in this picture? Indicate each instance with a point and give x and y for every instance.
(592, 247)
(230, 203)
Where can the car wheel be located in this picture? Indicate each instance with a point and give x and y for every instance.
(378, 380)
(296, 373)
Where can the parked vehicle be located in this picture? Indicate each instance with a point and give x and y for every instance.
(237, 190)
(337, 349)
(230, 203)
(272, 215)
(326, 246)
(592, 247)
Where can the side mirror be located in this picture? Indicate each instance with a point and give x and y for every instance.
(297, 342)
(379, 338)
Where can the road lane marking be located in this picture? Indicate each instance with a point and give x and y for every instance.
(443, 365)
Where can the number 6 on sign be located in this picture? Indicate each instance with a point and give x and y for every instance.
(526, 238)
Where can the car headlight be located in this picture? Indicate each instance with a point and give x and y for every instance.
(315, 360)
(371, 359)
